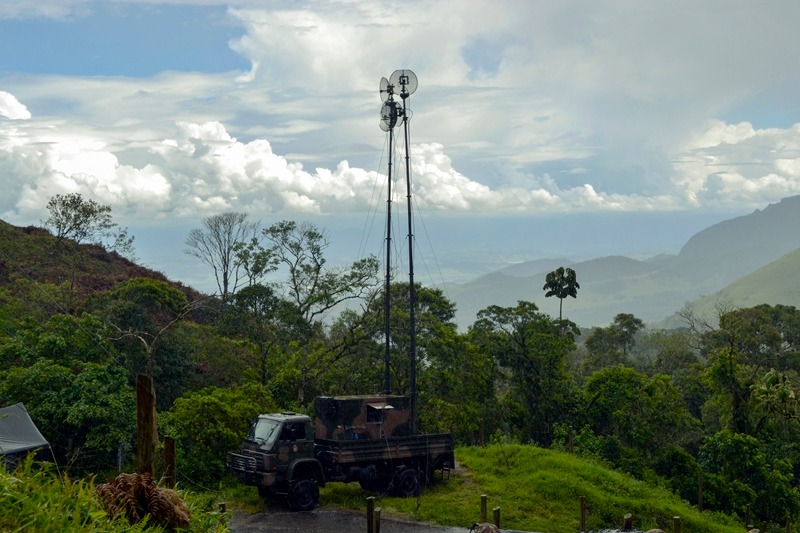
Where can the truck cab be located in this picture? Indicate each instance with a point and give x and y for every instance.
(277, 456)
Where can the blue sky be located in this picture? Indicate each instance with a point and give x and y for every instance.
(530, 116)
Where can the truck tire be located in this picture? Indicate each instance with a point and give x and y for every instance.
(303, 495)
(406, 483)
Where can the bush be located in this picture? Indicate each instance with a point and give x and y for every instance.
(210, 423)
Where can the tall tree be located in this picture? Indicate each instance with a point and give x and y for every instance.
(561, 282)
(532, 351)
(312, 286)
(217, 245)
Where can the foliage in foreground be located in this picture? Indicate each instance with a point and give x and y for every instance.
(36, 499)
(538, 490)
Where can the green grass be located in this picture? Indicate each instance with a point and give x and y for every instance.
(36, 499)
(537, 490)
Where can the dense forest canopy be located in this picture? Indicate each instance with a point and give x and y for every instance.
(79, 322)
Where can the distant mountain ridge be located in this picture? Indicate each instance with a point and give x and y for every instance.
(652, 289)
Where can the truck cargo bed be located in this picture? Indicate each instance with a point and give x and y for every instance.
(436, 446)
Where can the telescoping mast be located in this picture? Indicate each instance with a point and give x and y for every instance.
(402, 83)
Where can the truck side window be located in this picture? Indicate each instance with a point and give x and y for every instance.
(289, 432)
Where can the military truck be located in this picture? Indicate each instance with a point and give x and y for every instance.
(364, 439)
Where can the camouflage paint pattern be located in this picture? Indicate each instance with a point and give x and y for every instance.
(344, 418)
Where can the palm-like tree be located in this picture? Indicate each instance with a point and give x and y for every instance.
(561, 282)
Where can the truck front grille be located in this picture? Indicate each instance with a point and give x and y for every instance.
(241, 463)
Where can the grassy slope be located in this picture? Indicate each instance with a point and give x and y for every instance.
(538, 490)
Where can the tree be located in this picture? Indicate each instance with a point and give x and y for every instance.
(434, 319)
(561, 282)
(143, 310)
(218, 244)
(86, 412)
(645, 414)
(257, 314)
(72, 217)
(611, 345)
(748, 344)
(209, 423)
(313, 287)
(532, 350)
(747, 475)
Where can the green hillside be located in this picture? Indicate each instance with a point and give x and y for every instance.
(539, 490)
(774, 284)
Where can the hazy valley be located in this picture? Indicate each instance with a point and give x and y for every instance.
(742, 261)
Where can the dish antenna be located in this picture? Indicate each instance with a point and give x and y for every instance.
(389, 113)
(406, 81)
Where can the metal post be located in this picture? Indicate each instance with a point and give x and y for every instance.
(412, 290)
(387, 386)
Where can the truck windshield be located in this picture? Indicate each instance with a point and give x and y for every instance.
(264, 431)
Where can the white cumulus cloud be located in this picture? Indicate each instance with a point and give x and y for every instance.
(11, 108)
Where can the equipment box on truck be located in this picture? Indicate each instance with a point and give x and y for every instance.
(367, 439)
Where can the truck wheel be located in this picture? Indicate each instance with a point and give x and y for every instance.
(406, 483)
(303, 495)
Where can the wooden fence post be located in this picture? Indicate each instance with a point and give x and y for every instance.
(496, 513)
(582, 501)
(483, 508)
(626, 522)
(377, 520)
(371, 514)
(169, 462)
(700, 493)
(146, 436)
(676, 524)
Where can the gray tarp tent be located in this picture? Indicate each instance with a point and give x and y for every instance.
(18, 433)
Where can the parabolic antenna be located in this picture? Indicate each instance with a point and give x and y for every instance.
(389, 115)
(406, 80)
(385, 89)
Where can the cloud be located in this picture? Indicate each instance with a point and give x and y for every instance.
(736, 163)
(522, 107)
(11, 108)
